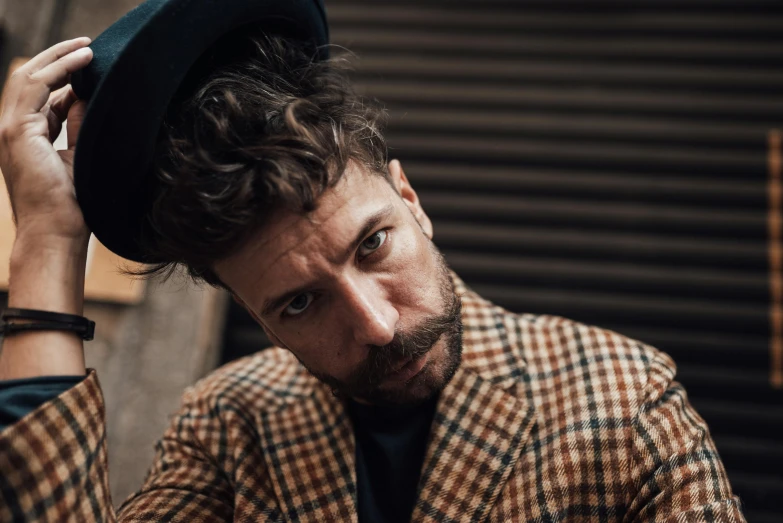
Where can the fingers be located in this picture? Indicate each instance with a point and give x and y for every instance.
(56, 110)
(29, 91)
(74, 123)
(51, 77)
(61, 101)
(53, 54)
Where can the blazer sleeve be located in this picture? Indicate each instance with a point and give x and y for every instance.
(53, 462)
(185, 483)
(677, 472)
(54, 467)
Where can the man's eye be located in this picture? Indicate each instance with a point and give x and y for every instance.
(299, 304)
(372, 244)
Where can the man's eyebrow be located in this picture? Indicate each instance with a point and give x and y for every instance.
(370, 223)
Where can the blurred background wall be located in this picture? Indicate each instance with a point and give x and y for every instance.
(612, 162)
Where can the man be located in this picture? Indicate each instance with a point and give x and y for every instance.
(394, 392)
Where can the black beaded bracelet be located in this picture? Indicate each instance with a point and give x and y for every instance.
(46, 320)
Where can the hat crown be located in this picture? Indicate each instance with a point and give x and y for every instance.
(109, 45)
(138, 65)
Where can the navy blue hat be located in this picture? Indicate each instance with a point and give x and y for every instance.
(138, 65)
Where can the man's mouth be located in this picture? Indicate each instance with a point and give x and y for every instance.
(400, 365)
(407, 369)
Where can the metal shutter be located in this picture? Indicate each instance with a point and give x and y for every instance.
(604, 161)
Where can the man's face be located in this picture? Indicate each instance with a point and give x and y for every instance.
(355, 290)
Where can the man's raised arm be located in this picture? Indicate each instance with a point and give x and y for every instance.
(53, 461)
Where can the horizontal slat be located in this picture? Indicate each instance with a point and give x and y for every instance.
(760, 493)
(732, 417)
(647, 311)
(519, 71)
(689, 347)
(733, 387)
(446, 41)
(586, 215)
(638, 22)
(738, 418)
(750, 455)
(537, 241)
(601, 185)
(510, 123)
(585, 154)
(574, 99)
(734, 286)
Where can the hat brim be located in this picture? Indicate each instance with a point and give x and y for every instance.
(138, 65)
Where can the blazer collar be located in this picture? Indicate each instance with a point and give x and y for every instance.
(483, 419)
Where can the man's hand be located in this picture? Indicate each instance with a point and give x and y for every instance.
(40, 179)
(49, 255)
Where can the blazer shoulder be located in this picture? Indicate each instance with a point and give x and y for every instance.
(264, 380)
(587, 363)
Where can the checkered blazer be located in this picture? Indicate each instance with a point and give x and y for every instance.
(545, 420)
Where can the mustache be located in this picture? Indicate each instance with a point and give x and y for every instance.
(383, 359)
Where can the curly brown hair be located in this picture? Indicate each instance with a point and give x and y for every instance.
(264, 126)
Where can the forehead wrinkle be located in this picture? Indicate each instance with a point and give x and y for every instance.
(298, 242)
(290, 251)
(310, 217)
(265, 240)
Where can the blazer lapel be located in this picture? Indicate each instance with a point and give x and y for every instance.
(309, 450)
(477, 436)
(482, 422)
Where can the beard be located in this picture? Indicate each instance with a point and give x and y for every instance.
(365, 382)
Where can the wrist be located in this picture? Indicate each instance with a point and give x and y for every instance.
(60, 226)
(50, 259)
(32, 241)
(47, 273)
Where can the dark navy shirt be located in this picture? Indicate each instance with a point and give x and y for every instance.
(20, 397)
(390, 446)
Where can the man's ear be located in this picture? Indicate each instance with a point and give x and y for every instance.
(409, 196)
(271, 335)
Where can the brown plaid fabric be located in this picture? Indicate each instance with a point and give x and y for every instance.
(546, 420)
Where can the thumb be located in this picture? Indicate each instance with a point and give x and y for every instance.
(74, 123)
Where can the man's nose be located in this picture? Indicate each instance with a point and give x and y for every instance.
(374, 318)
